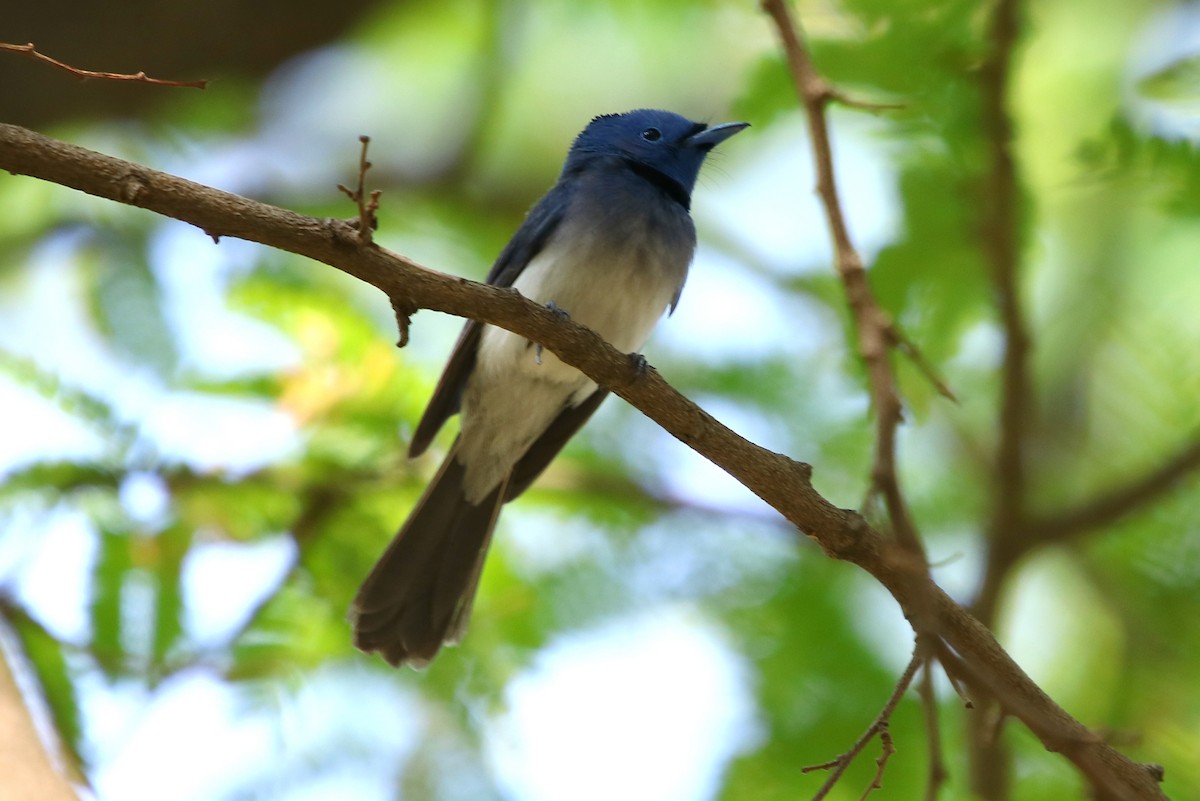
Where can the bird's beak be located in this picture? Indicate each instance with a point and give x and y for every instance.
(711, 137)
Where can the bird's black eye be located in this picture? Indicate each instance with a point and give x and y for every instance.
(652, 134)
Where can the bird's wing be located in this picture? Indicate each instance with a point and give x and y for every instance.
(552, 440)
(541, 223)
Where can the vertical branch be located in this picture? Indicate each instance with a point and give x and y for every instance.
(875, 331)
(990, 761)
(1001, 248)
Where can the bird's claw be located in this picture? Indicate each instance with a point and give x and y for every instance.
(561, 314)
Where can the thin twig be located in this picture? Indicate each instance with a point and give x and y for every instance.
(909, 348)
(875, 332)
(367, 204)
(881, 762)
(31, 51)
(878, 726)
(887, 748)
(956, 671)
(933, 732)
(838, 96)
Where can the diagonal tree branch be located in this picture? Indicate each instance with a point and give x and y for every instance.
(875, 329)
(1113, 504)
(409, 285)
(780, 481)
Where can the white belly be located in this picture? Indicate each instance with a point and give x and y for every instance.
(514, 393)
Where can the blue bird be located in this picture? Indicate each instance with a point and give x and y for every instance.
(609, 245)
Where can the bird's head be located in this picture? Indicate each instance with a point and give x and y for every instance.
(661, 141)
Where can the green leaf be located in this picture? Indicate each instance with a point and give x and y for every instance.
(1179, 80)
(113, 567)
(126, 303)
(45, 655)
(170, 548)
(84, 405)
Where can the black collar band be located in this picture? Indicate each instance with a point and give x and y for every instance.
(673, 188)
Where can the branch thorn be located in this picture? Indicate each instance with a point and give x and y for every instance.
(404, 311)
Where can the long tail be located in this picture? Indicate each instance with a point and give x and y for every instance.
(419, 594)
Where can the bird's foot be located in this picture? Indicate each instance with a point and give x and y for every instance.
(561, 314)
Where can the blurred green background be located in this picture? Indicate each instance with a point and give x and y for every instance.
(202, 445)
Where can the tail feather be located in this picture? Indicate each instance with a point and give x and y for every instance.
(419, 594)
